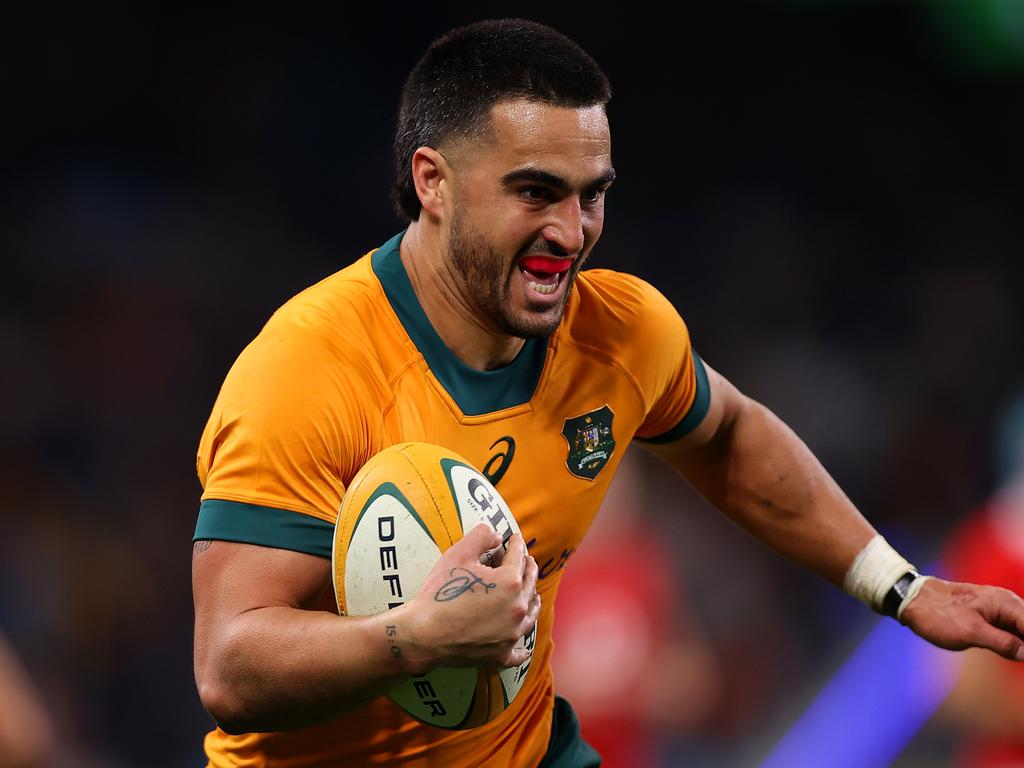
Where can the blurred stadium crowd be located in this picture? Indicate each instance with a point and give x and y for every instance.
(829, 192)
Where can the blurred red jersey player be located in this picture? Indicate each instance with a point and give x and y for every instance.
(987, 701)
(632, 669)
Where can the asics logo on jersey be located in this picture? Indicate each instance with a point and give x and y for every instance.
(498, 464)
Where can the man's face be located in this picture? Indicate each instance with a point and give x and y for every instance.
(528, 208)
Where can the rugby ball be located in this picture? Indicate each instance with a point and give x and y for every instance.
(404, 507)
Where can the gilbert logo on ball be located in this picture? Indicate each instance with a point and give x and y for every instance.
(406, 506)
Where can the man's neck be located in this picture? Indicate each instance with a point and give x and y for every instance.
(460, 327)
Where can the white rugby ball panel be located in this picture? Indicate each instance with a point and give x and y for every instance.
(477, 500)
(443, 697)
(389, 555)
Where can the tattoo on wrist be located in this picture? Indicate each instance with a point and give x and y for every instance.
(200, 546)
(392, 633)
(459, 585)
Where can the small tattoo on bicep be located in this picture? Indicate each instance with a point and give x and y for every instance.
(200, 546)
(459, 585)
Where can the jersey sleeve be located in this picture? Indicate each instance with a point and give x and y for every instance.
(286, 430)
(668, 371)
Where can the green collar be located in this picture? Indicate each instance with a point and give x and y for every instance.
(475, 392)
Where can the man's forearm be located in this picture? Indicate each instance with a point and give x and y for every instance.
(759, 473)
(279, 668)
(752, 467)
(267, 660)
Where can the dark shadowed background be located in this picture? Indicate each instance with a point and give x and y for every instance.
(830, 193)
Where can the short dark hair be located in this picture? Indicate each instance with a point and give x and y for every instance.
(450, 92)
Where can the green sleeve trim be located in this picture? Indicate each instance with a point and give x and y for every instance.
(698, 408)
(265, 526)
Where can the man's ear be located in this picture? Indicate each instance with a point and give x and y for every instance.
(431, 176)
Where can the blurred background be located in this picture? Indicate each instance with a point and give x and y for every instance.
(830, 193)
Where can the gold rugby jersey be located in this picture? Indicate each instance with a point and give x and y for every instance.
(352, 365)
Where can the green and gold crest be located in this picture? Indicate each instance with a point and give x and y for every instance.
(590, 442)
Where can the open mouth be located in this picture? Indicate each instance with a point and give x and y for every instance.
(544, 273)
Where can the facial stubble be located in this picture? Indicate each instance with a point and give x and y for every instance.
(485, 279)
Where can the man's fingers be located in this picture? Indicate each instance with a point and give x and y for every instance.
(1006, 611)
(493, 557)
(519, 655)
(480, 539)
(515, 554)
(530, 571)
(531, 615)
(1000, 641)
(1003, 631)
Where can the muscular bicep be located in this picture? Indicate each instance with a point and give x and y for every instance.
(725, 404)
(230, 579)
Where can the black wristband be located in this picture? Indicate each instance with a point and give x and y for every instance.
(896, 594)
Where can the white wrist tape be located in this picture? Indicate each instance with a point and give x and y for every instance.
(912, 590)
(874, 571)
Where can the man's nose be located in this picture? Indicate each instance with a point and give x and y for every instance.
(565, 230)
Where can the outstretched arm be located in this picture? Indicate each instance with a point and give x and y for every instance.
(752, 467)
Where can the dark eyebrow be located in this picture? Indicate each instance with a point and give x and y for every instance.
(551, 180)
